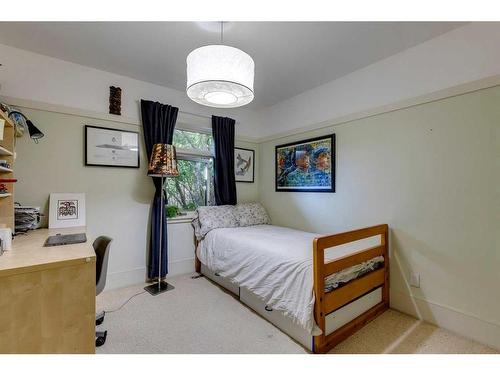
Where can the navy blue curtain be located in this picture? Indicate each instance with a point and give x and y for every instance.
(224, 180)
(158, 121)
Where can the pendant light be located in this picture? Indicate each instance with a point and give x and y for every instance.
(220, 76)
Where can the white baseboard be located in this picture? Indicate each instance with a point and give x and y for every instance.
(122, 279)
(475, 328)
(137, 276)
(180, 267)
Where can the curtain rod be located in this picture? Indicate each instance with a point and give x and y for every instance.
(199, 115)
(195, 114)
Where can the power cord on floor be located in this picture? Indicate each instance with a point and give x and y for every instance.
(124, 303)
(137, 294)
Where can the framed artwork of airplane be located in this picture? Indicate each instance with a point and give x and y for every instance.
(108, 147)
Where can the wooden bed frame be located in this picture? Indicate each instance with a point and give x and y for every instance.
(330, 301)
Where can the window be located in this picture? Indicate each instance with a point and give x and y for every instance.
(189, 140)
(194, 187)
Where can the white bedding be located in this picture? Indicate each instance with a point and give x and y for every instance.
(275, 263)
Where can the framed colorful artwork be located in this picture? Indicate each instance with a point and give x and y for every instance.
(244, 165)
(307, 166)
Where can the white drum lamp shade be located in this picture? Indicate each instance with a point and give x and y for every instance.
(220, 76)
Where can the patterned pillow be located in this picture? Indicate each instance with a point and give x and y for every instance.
(251, 214)
(213, 217)
(196, 226)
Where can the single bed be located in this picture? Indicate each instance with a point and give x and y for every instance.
(317, 289)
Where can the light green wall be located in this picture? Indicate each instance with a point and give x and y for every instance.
(247, 191)
(432, 173)
(117, 199)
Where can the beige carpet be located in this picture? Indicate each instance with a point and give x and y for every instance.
(199, 317)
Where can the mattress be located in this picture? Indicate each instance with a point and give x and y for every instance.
(275, 263)
(338, 279)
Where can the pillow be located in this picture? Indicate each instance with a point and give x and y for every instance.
(251, 214)
(196, 225)
(213, 217)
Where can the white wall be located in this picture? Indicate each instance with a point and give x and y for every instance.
(38, 78)
(117, 199)
(432, 173)
(60, 97)
(466, 54)
(434, 187)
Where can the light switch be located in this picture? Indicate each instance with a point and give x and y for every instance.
(415, 279)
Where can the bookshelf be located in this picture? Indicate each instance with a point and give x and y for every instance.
(5, 170)
(7, 153)
(4, 151)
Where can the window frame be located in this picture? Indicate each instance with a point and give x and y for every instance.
(194, 155)
(201, 157)
(194, 151)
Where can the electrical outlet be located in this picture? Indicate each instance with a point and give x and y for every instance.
(415, 279)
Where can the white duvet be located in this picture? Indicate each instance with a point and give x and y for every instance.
(275, 263)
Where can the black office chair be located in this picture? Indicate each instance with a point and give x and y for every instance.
(101, 246)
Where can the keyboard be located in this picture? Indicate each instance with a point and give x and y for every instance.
(65, 239)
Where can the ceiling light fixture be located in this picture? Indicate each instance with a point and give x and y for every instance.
(220, 76)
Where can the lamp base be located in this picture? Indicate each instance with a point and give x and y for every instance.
(158, 288)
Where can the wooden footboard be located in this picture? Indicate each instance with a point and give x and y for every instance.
(331, 301)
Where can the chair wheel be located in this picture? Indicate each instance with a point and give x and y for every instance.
(100, 340)
(99, 321)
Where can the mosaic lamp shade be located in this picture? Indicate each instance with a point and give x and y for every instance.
(163, 162)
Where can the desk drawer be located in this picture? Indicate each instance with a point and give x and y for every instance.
(49, 311)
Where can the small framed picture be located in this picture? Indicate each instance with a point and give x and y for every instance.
(307, 166)
(244, 164)
(108, 147)
(67, 210)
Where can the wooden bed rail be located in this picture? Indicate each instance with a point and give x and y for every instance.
(327, 302)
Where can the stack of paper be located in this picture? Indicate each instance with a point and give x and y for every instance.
(26, 218)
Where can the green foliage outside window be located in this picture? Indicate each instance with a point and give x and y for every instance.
(184, 139)
(172, 211)
(194, 186)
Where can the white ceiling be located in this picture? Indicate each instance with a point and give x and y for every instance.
(290, 57)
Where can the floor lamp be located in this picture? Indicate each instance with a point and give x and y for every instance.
(163, 163)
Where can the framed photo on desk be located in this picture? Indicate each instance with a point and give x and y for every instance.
(67, 210)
